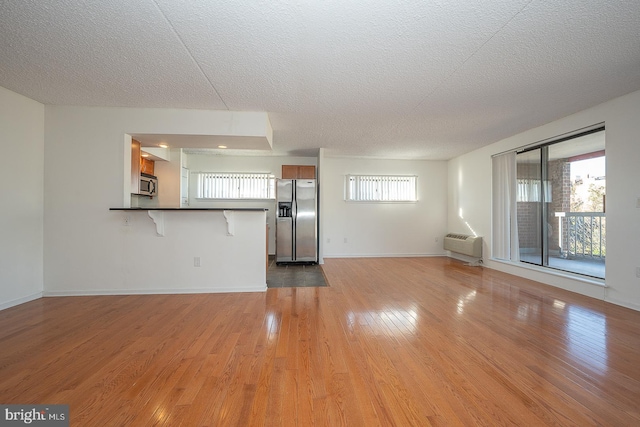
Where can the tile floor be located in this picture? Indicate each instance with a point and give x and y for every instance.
(294, 275)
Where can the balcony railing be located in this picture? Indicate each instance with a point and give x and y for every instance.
(582, 234)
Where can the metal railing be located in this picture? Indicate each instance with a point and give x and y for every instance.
(582, 234)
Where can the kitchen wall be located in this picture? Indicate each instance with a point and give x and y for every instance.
(21, 192)
(267, 164)
(469, 204)
(168, 173)
(351, 229)
(88, 249)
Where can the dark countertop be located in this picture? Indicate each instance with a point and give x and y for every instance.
(190, 209)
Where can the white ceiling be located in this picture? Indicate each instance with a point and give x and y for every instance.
(425, 79)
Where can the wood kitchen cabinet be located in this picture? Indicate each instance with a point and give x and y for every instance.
(139, 165)
(147, 166)
(135, 166)
(298, 172)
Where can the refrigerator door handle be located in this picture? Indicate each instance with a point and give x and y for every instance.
(294, 209)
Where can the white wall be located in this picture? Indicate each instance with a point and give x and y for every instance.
(266, 164)
(322, 212)
(87, 247)
(169, 173)
(21, 192)
(470, 197)
(383, 229)
(142, 262)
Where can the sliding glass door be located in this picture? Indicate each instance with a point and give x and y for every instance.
(560, 200)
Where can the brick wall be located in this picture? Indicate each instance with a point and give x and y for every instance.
(559, 177)
(529, 225)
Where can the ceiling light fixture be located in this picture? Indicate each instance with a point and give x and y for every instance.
(163, 146)
(222, 146)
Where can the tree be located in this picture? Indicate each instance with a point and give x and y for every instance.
(596, 198)
(576, 201)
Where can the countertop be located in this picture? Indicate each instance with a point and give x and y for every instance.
(190, 209)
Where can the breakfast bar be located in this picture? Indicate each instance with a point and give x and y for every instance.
(157, 215)
(191, 250)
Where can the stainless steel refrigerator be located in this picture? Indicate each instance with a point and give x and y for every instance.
(296, 221)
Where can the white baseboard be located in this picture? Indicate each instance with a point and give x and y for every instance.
(18, 301)
(625, 304)
(98, 292)
(383, 255)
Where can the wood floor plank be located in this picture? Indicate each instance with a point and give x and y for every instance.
(390, 341)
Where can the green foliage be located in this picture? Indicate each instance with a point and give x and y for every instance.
(596, 198)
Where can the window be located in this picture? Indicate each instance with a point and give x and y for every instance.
(555, 215)
(381, 188)
(227, 185)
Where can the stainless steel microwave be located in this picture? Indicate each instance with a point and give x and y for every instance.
(148, 185)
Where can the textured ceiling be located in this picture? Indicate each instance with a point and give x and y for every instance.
(378, 78)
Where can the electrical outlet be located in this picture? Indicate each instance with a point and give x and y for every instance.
(126, 220)
(196, 261)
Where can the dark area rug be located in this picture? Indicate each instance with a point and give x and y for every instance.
(294, 275)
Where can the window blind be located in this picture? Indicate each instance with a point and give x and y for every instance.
(381, 188)
(217, 185)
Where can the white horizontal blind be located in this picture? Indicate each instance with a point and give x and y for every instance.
(226, 185)
(381, 188)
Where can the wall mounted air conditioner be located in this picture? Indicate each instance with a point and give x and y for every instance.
(463, 244)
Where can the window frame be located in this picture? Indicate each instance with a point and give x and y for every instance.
(349, 193)
(543, 199)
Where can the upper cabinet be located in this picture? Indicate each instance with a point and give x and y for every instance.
(147, 166)
(298, 172)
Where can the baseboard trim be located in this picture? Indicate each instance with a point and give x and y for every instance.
(578, 278)
(18, 301)
(106, 292)
(383, 255)
(625, 304)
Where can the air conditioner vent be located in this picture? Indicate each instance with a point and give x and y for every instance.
(458, 236)
(463, 244)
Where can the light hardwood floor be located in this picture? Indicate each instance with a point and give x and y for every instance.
(405, 342)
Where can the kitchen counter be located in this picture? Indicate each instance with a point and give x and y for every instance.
(157, 215)
(189, 209)
(192, 249)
